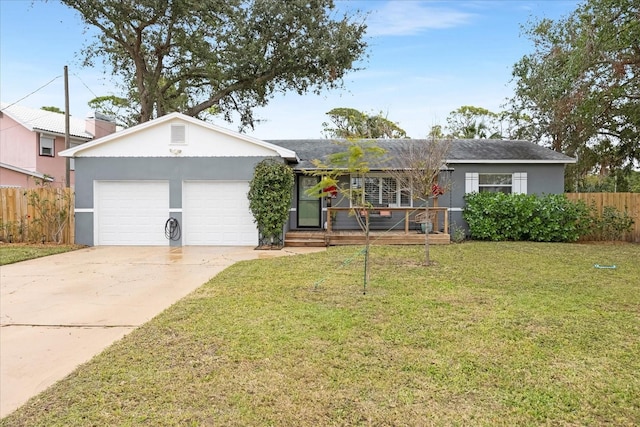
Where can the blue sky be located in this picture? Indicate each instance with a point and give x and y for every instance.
(426, 58)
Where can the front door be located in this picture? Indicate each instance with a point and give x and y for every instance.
(309, 207)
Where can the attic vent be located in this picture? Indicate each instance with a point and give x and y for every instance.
(178, 134)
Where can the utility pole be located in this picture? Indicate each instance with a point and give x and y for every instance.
(67, 133)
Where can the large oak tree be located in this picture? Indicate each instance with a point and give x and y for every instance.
(221, 56)
(581, 84)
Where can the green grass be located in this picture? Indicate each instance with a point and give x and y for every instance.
(10, 253)
(492, 334)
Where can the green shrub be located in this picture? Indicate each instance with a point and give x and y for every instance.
(611, 225)
(548, 218)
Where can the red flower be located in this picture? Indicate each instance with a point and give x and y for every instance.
(437, 190)
(331, 191)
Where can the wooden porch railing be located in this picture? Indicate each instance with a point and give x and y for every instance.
(438, 215)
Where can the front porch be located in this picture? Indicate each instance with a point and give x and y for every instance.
(406, 230)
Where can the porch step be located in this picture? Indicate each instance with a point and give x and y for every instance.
(305, 239)
(320, 238)
(297, 243)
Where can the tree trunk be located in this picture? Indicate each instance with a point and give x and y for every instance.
(366, 254)
(427, 259)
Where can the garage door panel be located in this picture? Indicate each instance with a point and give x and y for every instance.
(217, 213)
(131, 212)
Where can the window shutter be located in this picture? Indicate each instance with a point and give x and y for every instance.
(471, 182)
(178, 134)
(520, 183)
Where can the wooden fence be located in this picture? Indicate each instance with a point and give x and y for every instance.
(629, 202)
(47, 215)
(40, 215)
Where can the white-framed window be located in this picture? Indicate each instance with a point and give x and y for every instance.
(381, 191)
(47, 146)
(496, 182)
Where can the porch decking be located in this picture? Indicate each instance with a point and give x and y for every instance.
(405, 235)
(298, 238)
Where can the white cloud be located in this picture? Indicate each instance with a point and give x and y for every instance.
(399, 18)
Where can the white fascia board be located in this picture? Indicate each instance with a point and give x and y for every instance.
(72, 138)
(26, 172)
(283, 152)
(520, 161)
(16, 119)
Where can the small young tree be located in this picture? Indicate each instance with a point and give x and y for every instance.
(355, 161)
(418, 166)
(270, 199)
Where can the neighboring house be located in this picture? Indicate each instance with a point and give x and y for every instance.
(11, 176)
(31, 140)
(131, 183)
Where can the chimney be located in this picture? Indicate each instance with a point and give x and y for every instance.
(99, 125)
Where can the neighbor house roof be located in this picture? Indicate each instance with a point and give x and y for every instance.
(461, 151)
(26, 171)
(45, 121)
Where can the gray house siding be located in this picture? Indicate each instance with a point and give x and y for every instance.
(541, 179)
(174, 170)
(344, 220)
(544, 169)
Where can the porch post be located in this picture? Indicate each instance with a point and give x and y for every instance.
(406, 221)
(446, 221)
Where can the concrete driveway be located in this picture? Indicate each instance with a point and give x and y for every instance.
(59, 311)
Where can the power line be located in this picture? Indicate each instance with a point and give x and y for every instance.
(85, 85)
(37, 90)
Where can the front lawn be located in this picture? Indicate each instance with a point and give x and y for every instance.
(492, 334)
(16, 252)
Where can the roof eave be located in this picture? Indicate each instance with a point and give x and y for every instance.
(26, 172)
(72, 135)
(16, 119)
(506, 161)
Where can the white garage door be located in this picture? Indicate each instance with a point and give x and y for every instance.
(217, 213)
(130, 212)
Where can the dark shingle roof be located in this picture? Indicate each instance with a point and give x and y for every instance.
(461, 151)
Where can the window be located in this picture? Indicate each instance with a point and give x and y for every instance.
(47, 146)
(496, 182)
(381, 191)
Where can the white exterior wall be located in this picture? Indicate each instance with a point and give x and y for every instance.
(155, 141)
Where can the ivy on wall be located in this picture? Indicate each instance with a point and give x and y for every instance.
(270, 197)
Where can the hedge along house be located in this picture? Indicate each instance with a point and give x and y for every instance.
(471, 166)
(175, 180)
